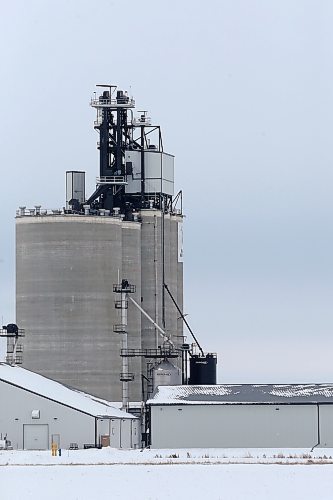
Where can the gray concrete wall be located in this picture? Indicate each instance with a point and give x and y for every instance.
(178, 221)
(131, 270)
(234, 426)
(172, 281)
(152, 277)
(65, 270)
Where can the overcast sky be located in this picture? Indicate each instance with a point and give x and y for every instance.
(243, 92)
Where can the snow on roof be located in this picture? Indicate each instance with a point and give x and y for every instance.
(45, 387)
(242, 394)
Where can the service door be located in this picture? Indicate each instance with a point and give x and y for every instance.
(55, 438)
(115, 433)
(136, 438)
(126, 433)
(35, 437)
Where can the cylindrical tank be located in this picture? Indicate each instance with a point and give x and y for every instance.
(65, 270)
(203, 369)
(165, 373)
(66, 266)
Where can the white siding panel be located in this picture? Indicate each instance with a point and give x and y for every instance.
(326, 426)
(234, 426)
(70, 424)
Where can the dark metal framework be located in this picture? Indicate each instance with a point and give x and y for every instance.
(119, 132)
(13, 333)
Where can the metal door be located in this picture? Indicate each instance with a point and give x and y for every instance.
(115, 433)
(136, 438)
(35, 437)
(126, 433)
(55, 438)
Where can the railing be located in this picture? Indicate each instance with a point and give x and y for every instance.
(17, 360)
(4, 333)
(141, 121)
(119, 288)
(120, 328)
(33, 212)
(149, 353)
(126, 377)
(18, 349)
(125, 102)
(111, 179)
(121, 304)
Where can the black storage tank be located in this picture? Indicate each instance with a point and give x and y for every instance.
(203, 369)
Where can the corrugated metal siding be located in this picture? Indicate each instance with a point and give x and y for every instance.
(234, 426)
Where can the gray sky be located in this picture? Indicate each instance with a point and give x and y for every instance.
(243, 92)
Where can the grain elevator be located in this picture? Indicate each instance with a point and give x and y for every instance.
(74, 264)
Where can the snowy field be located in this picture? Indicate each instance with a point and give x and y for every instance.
(167, 474)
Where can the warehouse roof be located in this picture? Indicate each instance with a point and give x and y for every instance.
(67, 396)
(243, 394)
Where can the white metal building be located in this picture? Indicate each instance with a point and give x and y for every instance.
(242, 416)
(36, 411)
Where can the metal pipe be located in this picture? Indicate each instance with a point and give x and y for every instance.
(156, 279)
(14, 350)
(143, 377)
(184, 319)
(143, 175)
(162, 332)
(163, 257)
(125, 395)
(119, 143)
(318, 429)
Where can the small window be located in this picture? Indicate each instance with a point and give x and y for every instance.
(35, 414)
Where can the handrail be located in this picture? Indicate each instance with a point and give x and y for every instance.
(112, 103)
(111, 179)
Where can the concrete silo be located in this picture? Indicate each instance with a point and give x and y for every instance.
(66, 266)
(69, 260)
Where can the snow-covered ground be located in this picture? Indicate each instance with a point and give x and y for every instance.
(167, 474)
(111, 456)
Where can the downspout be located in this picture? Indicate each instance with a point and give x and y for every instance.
(95, 432)
(318, 428)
